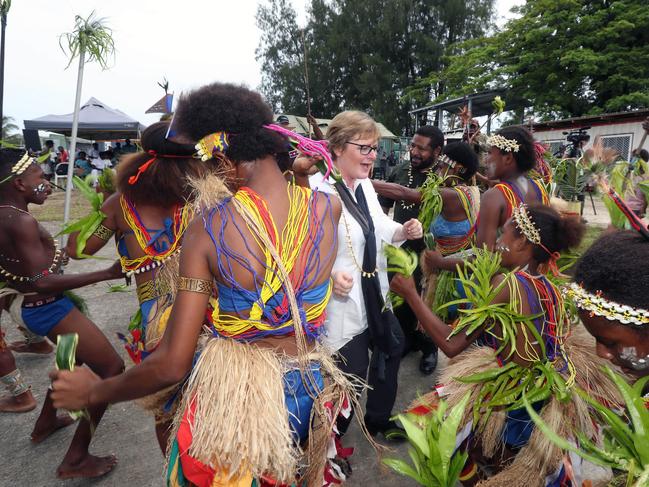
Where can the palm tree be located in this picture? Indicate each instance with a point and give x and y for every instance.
(5, 5)
(8, 126)
(10, 132)
(90, 40)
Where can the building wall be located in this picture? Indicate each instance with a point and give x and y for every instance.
(622, 136)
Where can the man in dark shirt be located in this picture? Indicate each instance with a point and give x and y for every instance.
(425, 147)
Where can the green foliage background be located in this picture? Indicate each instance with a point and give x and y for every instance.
(564, 57)
(362, 54)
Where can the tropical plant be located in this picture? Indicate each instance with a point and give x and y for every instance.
(401, 261)
(11, 136)
(91, 40)
(87, 225)
(625, 444)
(5, 5)
(8, 126)
(571, 178)
(479, 310)
(107, 180)
(436, 462)
(567, 58)
(431, 200)
(353, 62)
(66, 348)
(619, 180)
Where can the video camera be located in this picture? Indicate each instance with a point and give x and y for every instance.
(575, 139)
(578, 135)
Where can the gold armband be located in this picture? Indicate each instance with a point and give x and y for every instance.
(152, 290)
(103, 232)
(195, 285)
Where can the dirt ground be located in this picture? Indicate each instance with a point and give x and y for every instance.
(126, 430)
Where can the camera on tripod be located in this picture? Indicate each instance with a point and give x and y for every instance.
(576, 138)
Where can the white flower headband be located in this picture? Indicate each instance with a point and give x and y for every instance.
(504, 144)
(600, 306)
(20, 167)
(526, 225)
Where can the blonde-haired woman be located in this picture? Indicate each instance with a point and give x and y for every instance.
(357, 322)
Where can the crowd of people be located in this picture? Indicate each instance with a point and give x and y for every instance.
(55, 161)
(262, 286)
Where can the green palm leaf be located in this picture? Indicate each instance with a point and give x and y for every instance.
(90, 37)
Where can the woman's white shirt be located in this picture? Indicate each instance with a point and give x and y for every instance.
(346, 317)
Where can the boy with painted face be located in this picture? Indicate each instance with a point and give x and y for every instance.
(31, 271)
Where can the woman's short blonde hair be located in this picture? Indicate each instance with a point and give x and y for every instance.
(350, 125)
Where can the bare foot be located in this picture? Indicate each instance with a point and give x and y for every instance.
(20, 404)
(91, 466)
(35, 347)
(42, 432)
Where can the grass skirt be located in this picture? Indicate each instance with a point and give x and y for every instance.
(539, 457)
(235, 412)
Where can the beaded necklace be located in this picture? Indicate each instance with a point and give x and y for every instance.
(514, 196)
(153, 258)
(298, 247)
(350, 247)
(409, 206)
(409, 185)
(545, 300)
(16, 208)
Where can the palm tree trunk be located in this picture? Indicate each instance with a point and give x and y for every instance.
(73, 143)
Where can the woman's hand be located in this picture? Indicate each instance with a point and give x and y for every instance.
(71, 389)
(343, 283)
(413, 229)
(403, 286)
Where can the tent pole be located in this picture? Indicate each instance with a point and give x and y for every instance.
(73, 147)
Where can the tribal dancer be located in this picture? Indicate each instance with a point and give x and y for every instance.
(454, 228)
(522, 347)
(149, 215)
(512, 155)
(261, 389)
(31, 267)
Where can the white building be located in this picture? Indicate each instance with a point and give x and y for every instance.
(621, 131)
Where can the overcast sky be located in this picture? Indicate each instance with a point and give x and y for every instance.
(191, 42)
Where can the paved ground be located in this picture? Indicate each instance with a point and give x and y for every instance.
(128, 432)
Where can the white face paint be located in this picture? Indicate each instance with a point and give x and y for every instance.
(502, 248)
(631, 358)
(40, 188)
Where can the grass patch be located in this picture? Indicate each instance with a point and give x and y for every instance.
(52, 209)
(592, 233)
